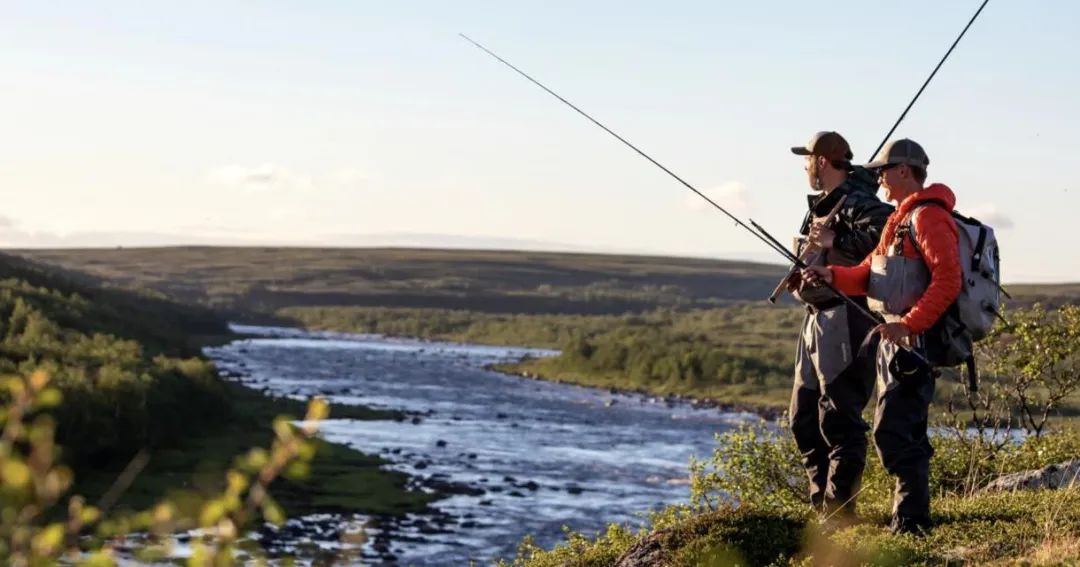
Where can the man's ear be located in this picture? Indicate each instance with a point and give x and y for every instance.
(821, 162)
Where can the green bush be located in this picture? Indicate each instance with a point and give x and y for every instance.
(123, 377)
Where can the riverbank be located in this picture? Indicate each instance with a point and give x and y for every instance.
(736, 357)
(768, 404)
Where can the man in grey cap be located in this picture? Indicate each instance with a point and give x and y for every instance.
(832, 382)
(911, 278)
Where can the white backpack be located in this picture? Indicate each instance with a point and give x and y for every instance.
(972, 316)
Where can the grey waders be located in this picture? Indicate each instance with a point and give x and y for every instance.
(833, 383)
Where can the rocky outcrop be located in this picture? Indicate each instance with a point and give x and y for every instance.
(1061, 475)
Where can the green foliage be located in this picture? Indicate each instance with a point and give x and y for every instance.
(124, 363)
(90, 306)
(550, 331)
(36, 529)
(121, 397)
(752, 464)
(737, 536)
(577, 551)
(1036, 360)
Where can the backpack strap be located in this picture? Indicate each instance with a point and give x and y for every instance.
(976, 255)
(908, 228)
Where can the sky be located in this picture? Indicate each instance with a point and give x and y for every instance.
(361, 123)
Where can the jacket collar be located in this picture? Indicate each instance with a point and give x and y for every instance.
(857, 181)
(937, 192)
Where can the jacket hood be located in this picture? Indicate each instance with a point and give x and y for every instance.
(935, 192)
(862, 179)
(859, 180)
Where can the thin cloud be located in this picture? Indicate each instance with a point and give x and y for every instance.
(267, 176)
(347, 178)
(270, 176)
(989, 214)
(732, 195)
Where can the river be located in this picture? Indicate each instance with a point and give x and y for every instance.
(535, 456)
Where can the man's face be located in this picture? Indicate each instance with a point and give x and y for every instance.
(811, 168)
(890, 177)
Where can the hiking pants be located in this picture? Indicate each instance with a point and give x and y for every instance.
(827, 405)
(900, 435)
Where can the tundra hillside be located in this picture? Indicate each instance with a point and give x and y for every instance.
(684, 326)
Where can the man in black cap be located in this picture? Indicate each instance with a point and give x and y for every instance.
(832, 382)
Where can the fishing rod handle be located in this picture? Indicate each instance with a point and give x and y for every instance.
(805, 255)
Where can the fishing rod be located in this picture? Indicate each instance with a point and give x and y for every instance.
(782, 250)
(928, 79)
(758, 231)
(885, 140)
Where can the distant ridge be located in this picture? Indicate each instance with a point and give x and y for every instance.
(261, 280)
(254, 283)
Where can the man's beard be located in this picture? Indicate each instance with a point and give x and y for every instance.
(815, 179)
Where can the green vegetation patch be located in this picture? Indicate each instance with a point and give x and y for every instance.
(121, 394)
(340, 478)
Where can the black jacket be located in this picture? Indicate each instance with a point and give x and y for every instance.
(860, 221)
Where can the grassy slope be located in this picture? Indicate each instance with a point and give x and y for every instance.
(126, 364)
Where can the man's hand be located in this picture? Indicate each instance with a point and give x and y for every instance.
(896, 333)
(813, 274)
(821, 236)
(795, 281)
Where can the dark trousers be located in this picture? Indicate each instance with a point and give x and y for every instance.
(829, 430)
(900, 436)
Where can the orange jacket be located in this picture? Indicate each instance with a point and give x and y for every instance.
(935, 230)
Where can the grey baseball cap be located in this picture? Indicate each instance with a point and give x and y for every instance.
(900, 152)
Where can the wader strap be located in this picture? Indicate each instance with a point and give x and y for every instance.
(864, 348)
(973, 381)
(813, 308)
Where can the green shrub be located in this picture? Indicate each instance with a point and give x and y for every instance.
(125, 386)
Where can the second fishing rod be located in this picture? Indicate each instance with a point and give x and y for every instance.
(758, 232)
